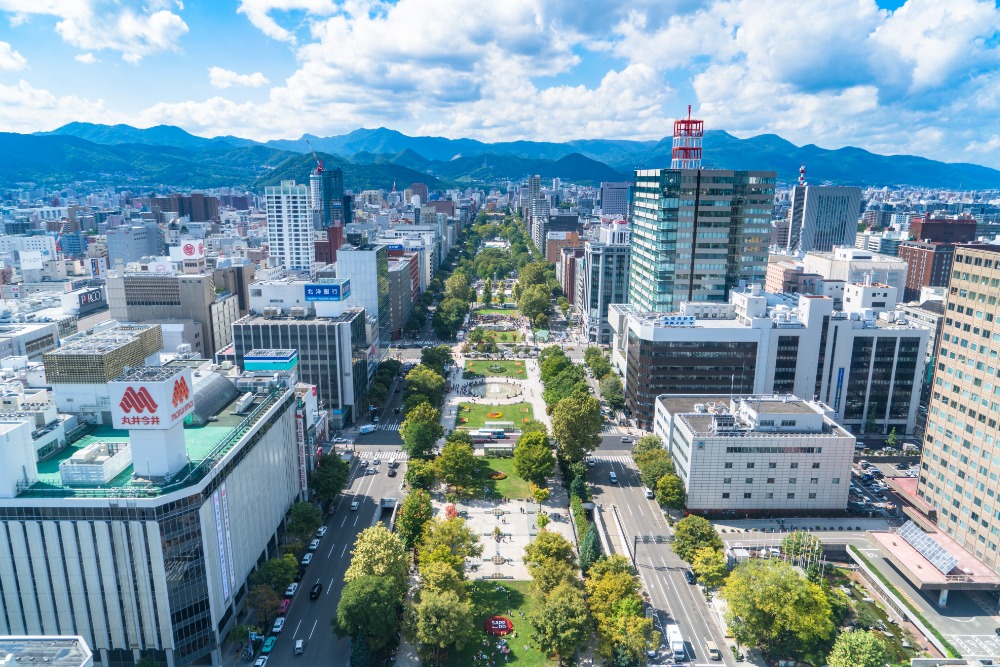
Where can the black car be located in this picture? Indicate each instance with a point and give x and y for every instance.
(689, 575)
(315, 591)
(392, 472)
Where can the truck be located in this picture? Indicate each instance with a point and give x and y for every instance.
(676, 642)
(367, 428)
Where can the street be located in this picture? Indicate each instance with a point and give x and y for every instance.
(661, 570)
(310, 620)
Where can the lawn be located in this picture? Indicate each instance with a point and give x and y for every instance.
(480, 367)
(491, 598)
(477, 415)
(513, 312)
(513, 488)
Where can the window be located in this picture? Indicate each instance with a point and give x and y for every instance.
(769, 495)
(814, 480)
(729, 464)
(770, 480)
(835, 480)
(747, 495)
(816, 466)
(812, 496)
(794, 466)
(788, 422)
(725, 495)
(790, 496)
(749, 480)
(727, 480)
(772, 465)
(793, 480)
(750, 465)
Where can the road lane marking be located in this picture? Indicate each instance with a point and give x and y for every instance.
(330, 587)
(296, 633)
(313, 630)
(330, 553)
(344, 551)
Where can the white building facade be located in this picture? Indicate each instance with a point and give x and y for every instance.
(290, 228)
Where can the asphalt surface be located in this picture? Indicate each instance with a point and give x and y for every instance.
(310, 620)
(661, 570)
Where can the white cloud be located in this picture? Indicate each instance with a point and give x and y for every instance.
(259, 14)
(224, 78)
(85, 58)
(95, 25)
(10, 60)
(24, 108)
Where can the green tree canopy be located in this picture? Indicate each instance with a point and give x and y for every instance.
(612, 391)
(413, 516)
(303, 520)
(443, 619)
(534, 301)
(710, 566)
(436, 358)
(536, 273)
(645, 444)
(653, 466)
(421, 430)
(411, 402)
(533, 459)
(859, 649)
(670, 492)
(590, 549)
(263, 600)
(457, 464)
(457, 287)
(692, 533)
(378, 552)
(775, 609)
(329, 479)
(533, 425)
(561, 622)
(367, 608)
(276, 573)
(423, 380)
(438, 575)
(421, 474)
(454, 535)
(576, 426)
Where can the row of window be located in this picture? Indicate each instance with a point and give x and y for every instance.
(772, 465)
(767, 496)
(771, 480)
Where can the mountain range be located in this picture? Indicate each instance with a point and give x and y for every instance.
(167, 156)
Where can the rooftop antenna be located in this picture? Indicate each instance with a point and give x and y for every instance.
(802, 175)
(685, 152)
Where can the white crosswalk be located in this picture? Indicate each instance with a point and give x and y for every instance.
(609, 428)
(386, 426)
(621, 458)
(384, 456)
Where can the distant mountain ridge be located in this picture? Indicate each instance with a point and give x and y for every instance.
(381, 155)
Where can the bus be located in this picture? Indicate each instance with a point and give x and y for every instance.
(481, 439)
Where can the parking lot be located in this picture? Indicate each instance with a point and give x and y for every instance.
(869, 490)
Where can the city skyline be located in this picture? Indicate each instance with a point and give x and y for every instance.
(891, 77)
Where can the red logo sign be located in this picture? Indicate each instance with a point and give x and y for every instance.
(181, 391)
(138, 400)
(201, 248)
(189, 249)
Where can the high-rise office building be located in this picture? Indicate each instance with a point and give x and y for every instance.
(367, 267)
(605, 278)
(290, 228)
(697, 234)
(960, 463)
(614, 198)
(823, 216)
(131, 243)
(326, 193)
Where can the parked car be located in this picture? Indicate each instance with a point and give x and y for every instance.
(689, 575)
(392, 472)
(626, 441)
(268, 645)
(278, 625)
(308, 558)
(261, 661)
(321, 531)
(314, 545)
(283, 606)
(291, 590)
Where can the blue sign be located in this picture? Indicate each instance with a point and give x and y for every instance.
(840, 385)
(336, 291)
(395, 246)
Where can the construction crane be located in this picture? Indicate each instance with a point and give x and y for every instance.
(319, 163)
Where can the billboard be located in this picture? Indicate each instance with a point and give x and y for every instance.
(395, 246)
(91, 297)
(190, 249)
(332, 291)
(31, 259)
(223, 565)
(151, 405)
(98, 265)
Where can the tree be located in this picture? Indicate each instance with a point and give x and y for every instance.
(303, 520)
(421, 474)
(563, 304)
(541, 321)
(367, 609)
(487, 292)
(710, 566)
(436, 358)
(411, 402)
(801, 544)
(453, 535)
(613, 392)
(645, 444)
(576, 426)
(578, 488)
(692, 533)
(561, 622)
(421, 430)
(533, 458)
(670, 492)
(377, 552)
(590, 549)
(361, 653)
(533, 425)
(534, 301)
(442, 576)
(548, 546)
(443, 619)
(328, 479)
(457, 464)
(553, 364)
(457, 287)
(413, 515)
(859, 649)
(276, 573)
(423, 380)
(773, 608)
(263, 600)
(599, 366)
(892, 440)
(653, 466)
(533, 274)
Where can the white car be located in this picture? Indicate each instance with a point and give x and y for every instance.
(278, 625)
(354, 505)
(314, 545)
(308, 558)
(261, 661)
(291, 590)
(321, 531)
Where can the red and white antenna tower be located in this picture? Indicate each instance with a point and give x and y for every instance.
(686, 149)
(802, 175)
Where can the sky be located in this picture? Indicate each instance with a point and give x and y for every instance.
(916, 76)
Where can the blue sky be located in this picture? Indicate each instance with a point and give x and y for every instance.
(914, 76)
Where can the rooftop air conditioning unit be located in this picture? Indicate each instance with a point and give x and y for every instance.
(300, 312)
(272, 311)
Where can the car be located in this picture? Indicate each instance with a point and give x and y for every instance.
(626, 441)
(279, 623)
(364, 463)
(268, 645)
(375, 420)
(300, 646)
(291, 590)
(314, 545)
(614, 477)
(591, 461)
(395, 411)
(308, 558)
(689, 575)
(321, 531)
(261, 661)
(354, 505)
(393, 464)
(375, 462)
(283, 606)
(392, 472)
(315, 591)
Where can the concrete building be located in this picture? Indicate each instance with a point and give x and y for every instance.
(697, 234)
(326, 198)
(823, 216)
(605, 278)
(367, 267)
(335, 354)
(854, 265)
(52, 651)
(404, 291)
(943, 230)
(131, 243)
(863, 364)
(556, 241)
(142, 296)
(159, 525)
(756, 455)
(615, 198)
(290, 228)
(928, 264)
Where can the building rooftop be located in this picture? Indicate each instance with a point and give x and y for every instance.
(100, 342)
(737, 416)
(55, 651)
(206, 444)
(348, 314)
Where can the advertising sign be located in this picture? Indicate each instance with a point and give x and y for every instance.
(840, 385)
(91, 297)
(337, 291)
(31, 259)
(190, 249)
(300, 432)
(223, 565)
(98, 265)
(229, 534)
(151, 405)
(395, 246)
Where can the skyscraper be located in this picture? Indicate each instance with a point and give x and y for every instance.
(823, 216)
(697, 234)
(290, 227)
(326, 191)
(614, 198)
(605, 279)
